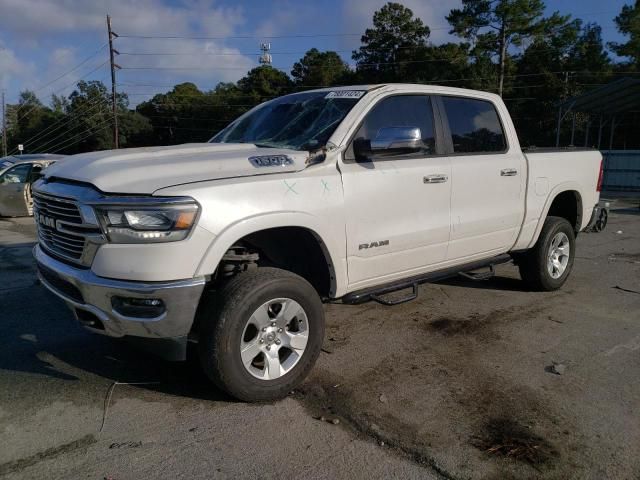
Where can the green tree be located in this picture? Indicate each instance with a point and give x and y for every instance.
(628, 23)
(263, 83)
(135, 130)
(91, 119)
(588, 56)
(176, 115)
(496, 25)
(394, 39)
(551, 69)
(59, 103)
(25, 120)
(318, 68)
(438, 63)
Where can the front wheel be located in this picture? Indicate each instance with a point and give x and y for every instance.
(261, 334)
(547, 265)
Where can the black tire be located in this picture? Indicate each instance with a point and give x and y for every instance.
(222, 321)
(533, 263)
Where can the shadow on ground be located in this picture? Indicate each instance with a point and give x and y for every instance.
(54, 345)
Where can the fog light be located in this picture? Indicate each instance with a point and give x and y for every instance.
(138, 307)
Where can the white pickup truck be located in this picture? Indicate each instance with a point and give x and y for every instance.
(336, 194)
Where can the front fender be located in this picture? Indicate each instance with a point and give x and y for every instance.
(331, 244)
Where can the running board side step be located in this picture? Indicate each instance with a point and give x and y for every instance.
(390, 303)
(476, 277)
(375, 293)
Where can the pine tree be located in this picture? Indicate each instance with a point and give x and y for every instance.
(628, 23)
(496, 25)
(395, 35)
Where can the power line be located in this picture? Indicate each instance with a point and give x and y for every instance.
(69, 120)
(215, 53)
(36, 107)
(64, 119)
(295, 35)
(92, 130)
(68, 72)
(238, 37)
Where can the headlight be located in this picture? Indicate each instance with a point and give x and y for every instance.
(147, 224)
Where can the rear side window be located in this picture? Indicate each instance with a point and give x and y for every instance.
(475, 125)
(401, 111)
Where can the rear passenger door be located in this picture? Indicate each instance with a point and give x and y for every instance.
(396, 205)
(487, 196)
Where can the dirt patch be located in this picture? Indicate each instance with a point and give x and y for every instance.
(625, 257)
(456, 326)
(324, 399)
(504, 437)
(443, 392)
(476, 322)
(22, 463)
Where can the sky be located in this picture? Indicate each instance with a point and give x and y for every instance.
(48, 45)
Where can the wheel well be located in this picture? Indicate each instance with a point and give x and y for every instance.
(568, 205)
(296, 249)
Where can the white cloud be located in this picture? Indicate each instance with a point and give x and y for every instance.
(24, 17)
(40, 23)
(203, 62)
(11, 66)
(486, 120)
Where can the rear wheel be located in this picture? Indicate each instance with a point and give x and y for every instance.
(261, 334)
(548, 264)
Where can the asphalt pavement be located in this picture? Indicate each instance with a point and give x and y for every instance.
(473, 380)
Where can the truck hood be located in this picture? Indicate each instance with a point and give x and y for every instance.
(145, 170)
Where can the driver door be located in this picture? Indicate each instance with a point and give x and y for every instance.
(15, 191)
(397, 204)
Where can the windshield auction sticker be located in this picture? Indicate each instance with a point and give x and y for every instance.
(345, 94)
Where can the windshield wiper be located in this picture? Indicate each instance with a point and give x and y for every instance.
(265, 145)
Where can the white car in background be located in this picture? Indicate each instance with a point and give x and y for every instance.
(17, 173)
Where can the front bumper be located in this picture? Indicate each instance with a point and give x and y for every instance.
(90, 298)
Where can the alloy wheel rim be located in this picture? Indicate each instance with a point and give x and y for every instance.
(558, 257)
(274, 338)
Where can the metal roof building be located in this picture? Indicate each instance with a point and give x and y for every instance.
(607, 105)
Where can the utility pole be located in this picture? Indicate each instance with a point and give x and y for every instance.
(4, 128)
(113, 52)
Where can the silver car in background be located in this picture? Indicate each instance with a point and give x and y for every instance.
(17, 173)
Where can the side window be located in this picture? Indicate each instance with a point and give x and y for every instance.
(399, 111)
(17, 174)
(475, 125)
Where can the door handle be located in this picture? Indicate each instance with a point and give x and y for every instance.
(437, 178)
(508, 172)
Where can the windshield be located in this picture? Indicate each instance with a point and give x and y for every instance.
(6, 162)
(303, 121)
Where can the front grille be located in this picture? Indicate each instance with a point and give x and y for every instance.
(60, 284)
(59, 209)
(48, 211)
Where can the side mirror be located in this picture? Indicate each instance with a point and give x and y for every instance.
(362, 150)
(398, 140)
